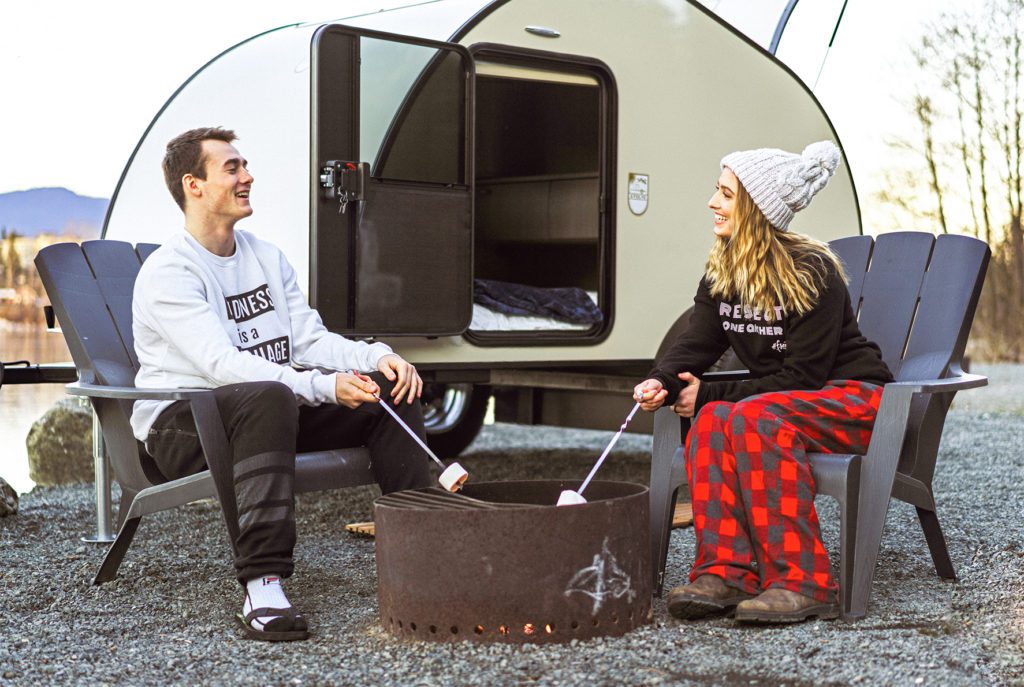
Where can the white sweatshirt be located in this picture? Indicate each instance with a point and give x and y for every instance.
(204, 321)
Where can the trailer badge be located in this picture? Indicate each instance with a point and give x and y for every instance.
(638, 192)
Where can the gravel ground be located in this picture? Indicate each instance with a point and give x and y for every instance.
(168, 618)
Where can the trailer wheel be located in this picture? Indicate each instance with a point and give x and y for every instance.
(453, 415)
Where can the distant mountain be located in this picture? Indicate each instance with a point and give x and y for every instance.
(52, 210)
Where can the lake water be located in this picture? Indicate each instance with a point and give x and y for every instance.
(23, 404)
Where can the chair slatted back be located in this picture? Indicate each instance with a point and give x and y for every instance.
(889, 297)
(145, 250)
(915, 296)
(949, 296)
(90, 288)
(116, 265)
(855, 253)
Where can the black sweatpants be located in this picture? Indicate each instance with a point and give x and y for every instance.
(265, 428)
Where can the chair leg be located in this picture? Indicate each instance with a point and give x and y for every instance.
(678, 482)
(127, 498)
(116, 552)
(848, 538)
(877, 473)
(666, 469)
(218, 457)
(936, 543)
(663, 505)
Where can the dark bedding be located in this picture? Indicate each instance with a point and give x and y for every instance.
(567, 304)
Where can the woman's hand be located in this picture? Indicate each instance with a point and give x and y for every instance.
(352, 389)
(409, 384)
(650, 394)
(684, 405)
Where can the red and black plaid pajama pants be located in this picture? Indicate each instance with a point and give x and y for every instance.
(751, 484)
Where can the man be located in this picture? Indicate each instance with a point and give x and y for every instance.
(215, 307)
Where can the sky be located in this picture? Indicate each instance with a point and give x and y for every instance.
(80, 81)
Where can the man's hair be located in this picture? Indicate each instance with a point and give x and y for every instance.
(185, 156)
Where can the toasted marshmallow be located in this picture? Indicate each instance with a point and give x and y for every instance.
(453, 477)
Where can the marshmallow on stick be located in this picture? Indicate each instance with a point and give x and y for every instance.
(453, 476)
(570, 498)
(573, 498)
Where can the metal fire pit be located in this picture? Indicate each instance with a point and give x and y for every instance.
(499, 562)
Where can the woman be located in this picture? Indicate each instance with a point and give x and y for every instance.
(780, 301)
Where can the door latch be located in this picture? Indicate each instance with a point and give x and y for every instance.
(344, 181)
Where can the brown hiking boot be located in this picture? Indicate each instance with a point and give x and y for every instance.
(777, 605)
(707, 595)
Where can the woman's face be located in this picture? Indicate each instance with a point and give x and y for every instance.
(723, 203)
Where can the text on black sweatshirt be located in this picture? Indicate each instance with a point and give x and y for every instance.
(787, 353)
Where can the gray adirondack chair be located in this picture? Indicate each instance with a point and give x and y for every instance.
(915, 297)
(90, 288)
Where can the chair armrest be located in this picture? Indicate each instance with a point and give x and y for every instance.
(942, 386)
(131, 393)
(209, 427)
(962, 381)
(878, 471)
(725, 376)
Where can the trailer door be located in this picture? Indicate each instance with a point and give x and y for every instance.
(391, 184)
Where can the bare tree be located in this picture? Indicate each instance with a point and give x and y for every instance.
(926, 116)
(968, 107)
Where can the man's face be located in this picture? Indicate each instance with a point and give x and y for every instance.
(225, 191)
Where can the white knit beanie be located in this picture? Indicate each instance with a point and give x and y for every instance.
(782, 183)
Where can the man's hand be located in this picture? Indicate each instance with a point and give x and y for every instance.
(684, 405)
(409, 384)
(650, 394)
(352, 389)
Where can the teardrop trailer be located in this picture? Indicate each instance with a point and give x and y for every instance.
(402, 155)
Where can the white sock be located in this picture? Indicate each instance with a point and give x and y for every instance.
(264, 592)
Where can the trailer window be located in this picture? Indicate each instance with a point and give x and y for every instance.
(411, 112)
(542, 172)
(391, 250)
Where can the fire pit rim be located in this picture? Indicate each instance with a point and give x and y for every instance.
(634, 489)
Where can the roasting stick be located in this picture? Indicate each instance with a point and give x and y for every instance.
(570, 497)
(453, 476)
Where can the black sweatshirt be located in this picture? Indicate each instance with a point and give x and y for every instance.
(787, 353)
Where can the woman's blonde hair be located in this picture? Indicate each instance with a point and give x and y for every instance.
(764, 268)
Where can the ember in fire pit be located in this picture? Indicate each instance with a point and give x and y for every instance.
(500, 562)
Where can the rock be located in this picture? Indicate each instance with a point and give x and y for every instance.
(60, 445)
(8, 499)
